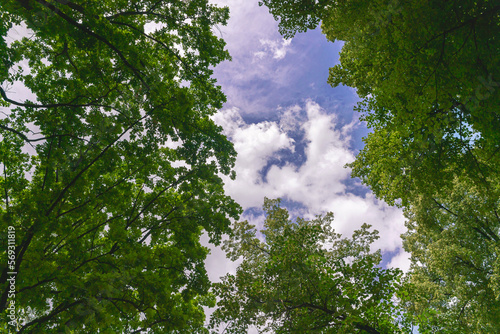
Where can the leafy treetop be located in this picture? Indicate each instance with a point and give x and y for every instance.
(110, 172)
(303, 277)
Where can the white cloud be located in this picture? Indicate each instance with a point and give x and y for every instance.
(352, 211)
(255, 144)
(401, 261)
(319, 178)
(278, 49)
(290, 119)
(318, 183)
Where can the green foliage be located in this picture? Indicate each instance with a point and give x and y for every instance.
(454, 239)
(428, 82)
(303, 277)
(429, 77)
(295, 15)
(110, 176)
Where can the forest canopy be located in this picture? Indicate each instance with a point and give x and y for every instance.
(428, 75)
(111, 172)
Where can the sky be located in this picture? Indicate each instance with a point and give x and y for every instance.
(293, 132)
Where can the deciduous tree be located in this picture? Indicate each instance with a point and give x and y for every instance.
(454, 239)
(428, 76)
(295, 15)
(110, 173)
(302, 277)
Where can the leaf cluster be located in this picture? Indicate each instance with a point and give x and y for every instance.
(110, 171)
(301, 276)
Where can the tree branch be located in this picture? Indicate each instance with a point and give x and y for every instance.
(73, 181)
(95, 35)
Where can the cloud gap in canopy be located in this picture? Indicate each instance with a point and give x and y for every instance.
(293, 132)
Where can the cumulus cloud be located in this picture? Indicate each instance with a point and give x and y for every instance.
(300, 156)
(401, 261)
(278, 49)
(312, 183)
(317, 184)
(255, 144)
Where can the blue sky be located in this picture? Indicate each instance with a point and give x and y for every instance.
(293, 132)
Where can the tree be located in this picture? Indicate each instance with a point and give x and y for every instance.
(430, 96)
(295, 15)
(428, 83)
(428, 76)
(110, 174)
(303, 277)
(454, 240)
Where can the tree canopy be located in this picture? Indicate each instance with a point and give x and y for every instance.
(295, 15)
(454, 242)
(300, 276)
(109, 175)
(428, 75)
(110, 172)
